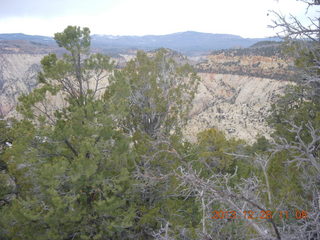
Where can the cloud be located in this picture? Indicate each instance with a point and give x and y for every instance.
(247, 18)
(51, 8)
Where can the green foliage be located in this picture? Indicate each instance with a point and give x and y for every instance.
(74, 179)
(291, 118)
(260, 146)
(74, 39)
(77, 169)
(78, 76)
(5, 137)
(285, 181)
(27, 103)
(215, 152)
(74, 174)
(152, 96)
(306, 55)
(297, 108)
(155, 92)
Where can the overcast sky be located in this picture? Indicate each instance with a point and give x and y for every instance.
(247, 18)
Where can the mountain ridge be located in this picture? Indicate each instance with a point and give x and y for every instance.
(189, 42)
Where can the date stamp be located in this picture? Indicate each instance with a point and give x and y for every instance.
(249, 214)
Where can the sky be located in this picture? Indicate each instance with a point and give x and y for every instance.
(247, 18)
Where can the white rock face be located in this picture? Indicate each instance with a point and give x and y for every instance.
(236, 104)
(17, 76)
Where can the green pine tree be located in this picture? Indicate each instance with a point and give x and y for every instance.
(73, 175)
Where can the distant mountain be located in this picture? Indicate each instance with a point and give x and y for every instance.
(189, 43)
(31, 38)
(262, 48)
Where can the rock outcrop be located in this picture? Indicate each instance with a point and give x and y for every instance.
(271, 67)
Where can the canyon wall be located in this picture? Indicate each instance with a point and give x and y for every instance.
(236, 104)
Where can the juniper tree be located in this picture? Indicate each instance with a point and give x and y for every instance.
(154, 94)
(92, 169)
(296, 117)
(74, 79)
(73, 173)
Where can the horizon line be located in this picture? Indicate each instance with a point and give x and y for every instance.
(144, 35)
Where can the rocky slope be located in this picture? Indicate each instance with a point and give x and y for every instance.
(235, 104)
(237, 89)
(18, 74)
